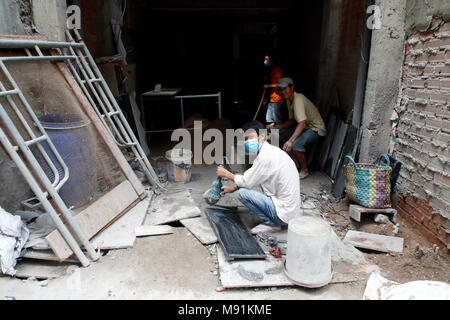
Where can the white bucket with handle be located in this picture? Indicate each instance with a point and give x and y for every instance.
(308, 256)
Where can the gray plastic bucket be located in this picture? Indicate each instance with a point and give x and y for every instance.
(308, 256)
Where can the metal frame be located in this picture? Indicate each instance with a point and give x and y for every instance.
(181, 98)
(85, 71)
(14, 143)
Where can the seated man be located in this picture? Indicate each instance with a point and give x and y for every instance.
(305, 124)
(278, 177)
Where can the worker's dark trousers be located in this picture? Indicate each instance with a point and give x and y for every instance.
(262, 205)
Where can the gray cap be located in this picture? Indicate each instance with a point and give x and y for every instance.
(285, 82)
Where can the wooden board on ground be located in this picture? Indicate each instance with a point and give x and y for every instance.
(172, 207)
(120, 234)
(374, 241)
(145, 231)
(97, 217)
(46, 255)
(355, 212)
(201, 229)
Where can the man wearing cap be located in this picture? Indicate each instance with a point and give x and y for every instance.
(305, 124)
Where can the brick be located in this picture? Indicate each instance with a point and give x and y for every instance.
(429, 71)
(442, 70)
(445, 84)
(439, 98)
(432, 84)
(423, 95)
(435, 123)
(418, 84)
(446, 126)
(435, 58)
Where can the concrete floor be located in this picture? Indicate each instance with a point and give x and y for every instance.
(175, 266)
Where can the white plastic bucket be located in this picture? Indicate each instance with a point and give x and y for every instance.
(179, 167)
(308, 256)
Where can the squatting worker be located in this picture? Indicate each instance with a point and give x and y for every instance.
(276, 104)
(275, 172)
(304, 127)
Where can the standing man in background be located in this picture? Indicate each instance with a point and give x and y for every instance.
(275, 105)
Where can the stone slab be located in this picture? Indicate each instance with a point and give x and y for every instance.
(374, 241)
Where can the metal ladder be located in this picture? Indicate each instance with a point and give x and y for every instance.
(95, 88)
(19, 149)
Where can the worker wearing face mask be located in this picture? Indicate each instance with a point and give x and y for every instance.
(275, 172)
(275, 104)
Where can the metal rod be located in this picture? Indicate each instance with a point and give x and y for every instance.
(36, 58)
(198, 96)
(7, 93)
(35, 186)
(30, 44)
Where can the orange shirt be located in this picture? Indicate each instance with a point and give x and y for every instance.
(275, 75)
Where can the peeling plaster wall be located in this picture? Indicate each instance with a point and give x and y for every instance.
(10, 18)
(50, 18)
(383, 79)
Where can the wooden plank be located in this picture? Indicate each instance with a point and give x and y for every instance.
(172, 207)
(44, 255)
(120, 234)
(374, 241)
(40, 270)
(201, 229)
(107, 139)
(94, 218)
(145, 231)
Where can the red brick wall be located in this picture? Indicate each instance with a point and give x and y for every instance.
(424, 134)
(351, 28)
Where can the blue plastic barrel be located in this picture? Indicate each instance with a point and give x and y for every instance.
(71, 137)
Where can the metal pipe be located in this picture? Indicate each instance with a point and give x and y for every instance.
(198, 96)
(36, 58)
(37, 190)
(30, 44)
(7, 93)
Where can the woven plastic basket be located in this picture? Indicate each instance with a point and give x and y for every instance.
(369, 184)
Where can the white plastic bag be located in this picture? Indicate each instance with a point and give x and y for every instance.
(13, 236)
(379, 288)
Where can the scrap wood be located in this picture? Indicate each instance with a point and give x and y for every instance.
(98, 216)
(101, 130)
(120, 234)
